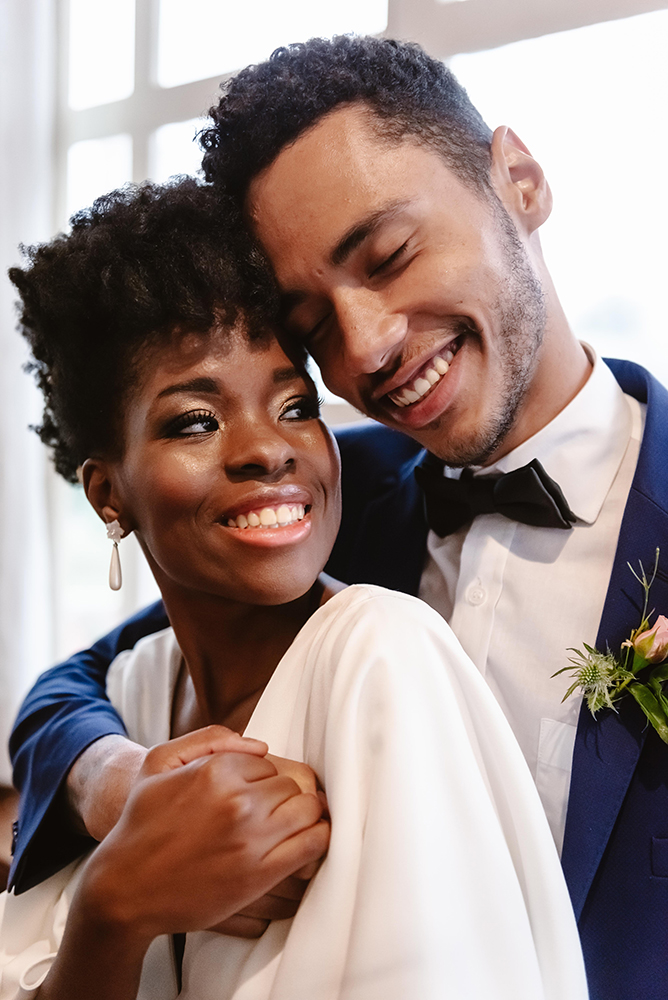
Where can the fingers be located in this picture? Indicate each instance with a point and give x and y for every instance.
(304, 847)
(293, 887)
(278, 904)
(301, 773)
(201, 743)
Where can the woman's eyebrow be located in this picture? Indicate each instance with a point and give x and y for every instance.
(288, 374)
(202, 384)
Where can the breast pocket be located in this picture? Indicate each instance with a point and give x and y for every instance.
(660, 857)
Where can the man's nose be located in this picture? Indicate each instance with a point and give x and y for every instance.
(258, 450)
(371, 334)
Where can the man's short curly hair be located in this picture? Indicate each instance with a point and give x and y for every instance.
(145, 262)
(265, 107)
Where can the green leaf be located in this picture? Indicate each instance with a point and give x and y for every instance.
(652, 709)
(660, 673)
(570, 692)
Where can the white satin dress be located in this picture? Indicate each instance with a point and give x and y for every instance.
(442, 881)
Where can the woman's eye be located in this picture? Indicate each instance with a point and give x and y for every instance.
(195, 422)
(387, 263)
(304, 408)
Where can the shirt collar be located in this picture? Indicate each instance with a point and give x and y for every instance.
(583, 446)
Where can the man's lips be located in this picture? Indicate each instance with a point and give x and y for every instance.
(427, 376)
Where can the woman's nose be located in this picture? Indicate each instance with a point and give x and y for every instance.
(371, 335)
(258, 451)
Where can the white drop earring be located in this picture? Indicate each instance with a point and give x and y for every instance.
(115, 533)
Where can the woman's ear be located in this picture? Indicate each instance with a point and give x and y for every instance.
(97, 477)
(519, 181)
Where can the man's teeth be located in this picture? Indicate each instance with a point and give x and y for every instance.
(269, 517)
(412, 391)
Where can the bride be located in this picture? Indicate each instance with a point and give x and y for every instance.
(197, 430)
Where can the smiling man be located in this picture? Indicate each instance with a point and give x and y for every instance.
(403, 235)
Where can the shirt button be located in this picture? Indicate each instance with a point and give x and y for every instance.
(476, 595)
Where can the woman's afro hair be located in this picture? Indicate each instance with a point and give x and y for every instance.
(141, 264)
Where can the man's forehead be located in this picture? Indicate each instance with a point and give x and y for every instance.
(336, 181)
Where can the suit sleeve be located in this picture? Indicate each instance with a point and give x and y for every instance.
(64, 713)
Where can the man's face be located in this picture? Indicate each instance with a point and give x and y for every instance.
(413, 293)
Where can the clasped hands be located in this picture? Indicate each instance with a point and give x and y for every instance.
(208, 829)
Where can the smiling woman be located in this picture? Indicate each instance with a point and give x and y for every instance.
(219, 431)
(198, 430)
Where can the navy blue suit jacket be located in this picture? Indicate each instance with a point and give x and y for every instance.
(615, 853)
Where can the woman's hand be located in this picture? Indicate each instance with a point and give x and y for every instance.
(205, 832)
(282, 900)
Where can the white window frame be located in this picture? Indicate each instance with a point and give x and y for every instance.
(443, 28)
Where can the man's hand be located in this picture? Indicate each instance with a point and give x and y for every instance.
(100, 781)
(103, 776)
(201, 838)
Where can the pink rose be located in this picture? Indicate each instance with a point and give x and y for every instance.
(652, 644)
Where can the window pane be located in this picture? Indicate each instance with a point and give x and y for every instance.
(175, 150)
(590, 104)
(102, 51)
(207, 37)
(96, 166)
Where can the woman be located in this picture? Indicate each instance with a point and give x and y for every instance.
(196, 430)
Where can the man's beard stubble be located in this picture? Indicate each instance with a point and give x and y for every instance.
(522, 317)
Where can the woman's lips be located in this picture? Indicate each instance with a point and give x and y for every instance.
(270, 532)
(261, 518)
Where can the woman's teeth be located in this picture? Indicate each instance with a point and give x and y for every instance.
(412, 391)
(269, 517)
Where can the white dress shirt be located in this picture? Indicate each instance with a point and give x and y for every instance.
(519, 596)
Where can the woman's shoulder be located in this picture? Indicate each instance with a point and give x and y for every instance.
(380, 619)
(367, 601)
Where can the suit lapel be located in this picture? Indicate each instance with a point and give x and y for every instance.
(607, 749)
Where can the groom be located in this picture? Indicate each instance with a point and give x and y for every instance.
(404, 239)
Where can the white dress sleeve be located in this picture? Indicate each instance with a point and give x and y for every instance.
(441, 882)
(31, 929)
(442, 879)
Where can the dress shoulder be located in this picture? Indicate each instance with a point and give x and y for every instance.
(140, 686)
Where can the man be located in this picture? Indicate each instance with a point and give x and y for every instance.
(404, 238)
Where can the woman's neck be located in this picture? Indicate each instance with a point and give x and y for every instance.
(230, 652)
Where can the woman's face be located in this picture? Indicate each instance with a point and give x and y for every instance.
(229, 478)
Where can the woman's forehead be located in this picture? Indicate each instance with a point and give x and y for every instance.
(227, 350)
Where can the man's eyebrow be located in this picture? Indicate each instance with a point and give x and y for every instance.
(360, 231)
(204, 385)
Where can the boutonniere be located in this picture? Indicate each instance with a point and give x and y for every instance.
(604, 678)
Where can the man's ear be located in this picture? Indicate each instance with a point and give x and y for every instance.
(519, 181)
(98, 483)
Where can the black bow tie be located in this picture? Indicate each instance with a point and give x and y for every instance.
(528, 495)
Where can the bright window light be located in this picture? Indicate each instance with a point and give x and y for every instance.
(175, 150)
(96, 166)
(102, 51)
(206, 37)
(591, 105)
